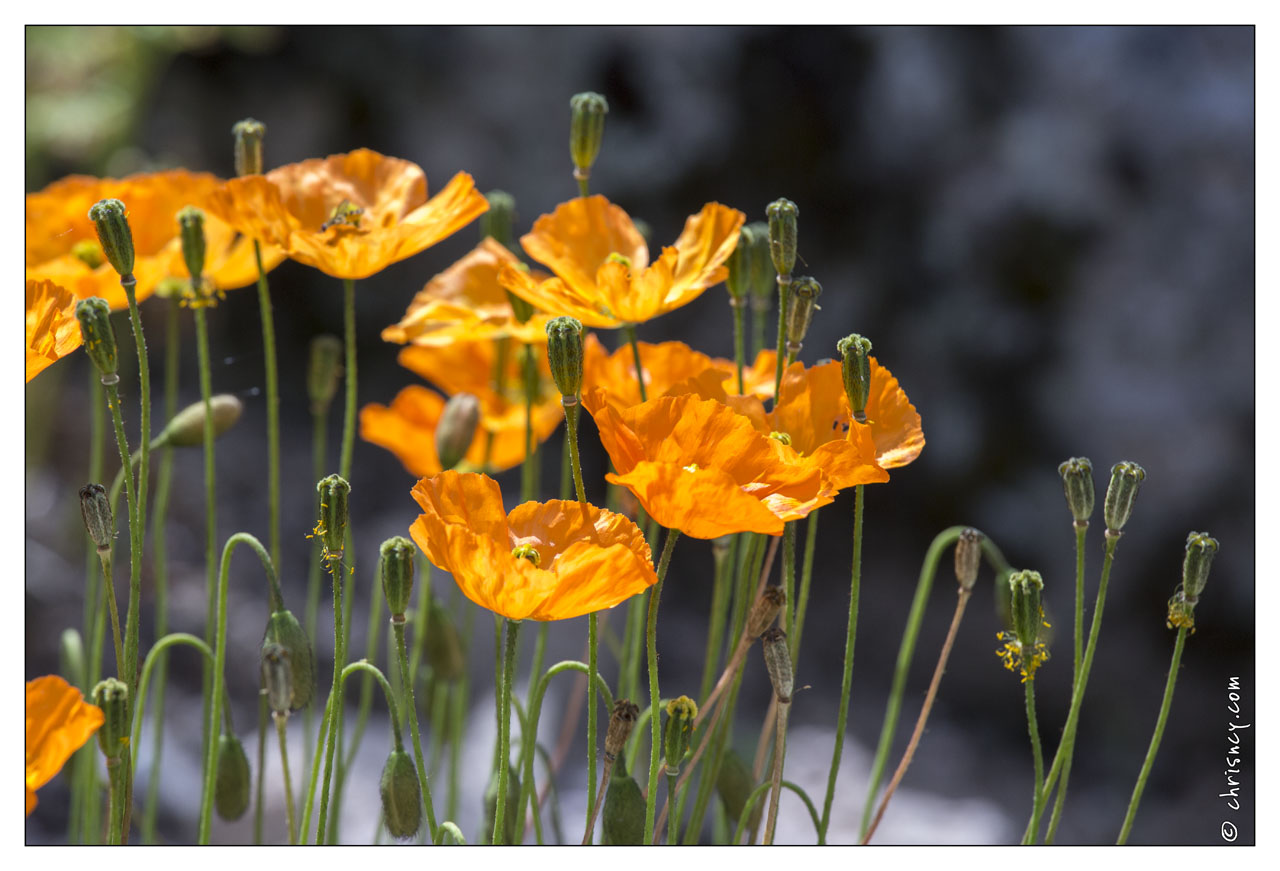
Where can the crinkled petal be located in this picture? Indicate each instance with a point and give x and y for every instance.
(52, 329)
(575, 239)
(894, 421)
(702, 503)
(59, 722)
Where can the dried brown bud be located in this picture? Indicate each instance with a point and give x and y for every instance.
(968, 558)
(777, 660)
(764, 611)
(621, 722)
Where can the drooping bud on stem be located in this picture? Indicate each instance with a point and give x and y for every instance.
(114, 235)
(277, 678)
(804, 302)
(681, 712)
(855, 355)
(457, 429)
(764, 611)
(249, 135)
(1077, 482)
(783, 218)
(741, 263)
(397, 575)
(99, 339)
(621, 722)
(777, 661)
(1025, 590)
(95, 507)
(500, 220)
(113, 697)
(586, 131)
(191, 229)
(564, 354)
(1123, 489)
(186, 430)
(968, 558)
(401, 797)
(324, 370)
(285, 632)
(332, 527)
(232, 781)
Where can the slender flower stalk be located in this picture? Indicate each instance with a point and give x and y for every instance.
(273, 406)
(777, 659)
(1037, 755)
(333, 530)
(349, 412)
(651, 636)
(806, 578)
(504, 728)
(282, 721)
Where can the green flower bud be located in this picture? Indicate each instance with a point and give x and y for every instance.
(232, 781)
(681, 713)
(765, 610)
(95, 508)
(456, 429)
(763, 285)
(968, 558)
(735, 784)
(249, 135)
(332, 526)
(397, 574)
(512, 828)
(855, 355)
(741, 263)
(1077, 481)
(191, 230)
(621, 722)
(586, 130)
(401, 797)
(622, 818)
(324, 369)
(500, 220)
(277, 677)
(804, 302)
(89, 253)
(783, 215)
(564, 353)
(1195, 565)
(99, 339)
(1025, 589)
(284, 631)
(1123, 489)
(186, 430)
(777, 661)
(114, 235)
(442, 648)
(113, 697)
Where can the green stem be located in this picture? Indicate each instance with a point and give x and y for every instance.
(651, 637)
(629, 330)
(758, 793)
(846, 681)
(1037, 757)
(738, 351)
(155, 661)
(1165, 704)
(273, 406)
(779, 757)
(759, 314)
(504, 729)
(409, 704)
(571, 412)
(116, 798)
(133, 619)
(373, 636)
(806, 577)
(1081, 527)
(282, 721)
(719, 615)
(112, 609)
(319, 422)
(784, 295)
(262, 768)
(349, 412)
(305, 828)
(788, 621)
(210, 495)
(336, 574)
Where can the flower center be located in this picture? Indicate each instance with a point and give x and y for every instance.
(528, 552)
(780, 436)
(345, 213)
(615, 257)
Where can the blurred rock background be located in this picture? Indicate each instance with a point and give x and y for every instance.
(1047, 232)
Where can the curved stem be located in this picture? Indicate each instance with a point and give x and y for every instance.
(504, 730)
(651, 636)
(349, 412)
(453, 832)
(758, 793)
(410, 705)
(153, 661)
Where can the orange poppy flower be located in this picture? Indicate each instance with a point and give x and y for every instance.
(59, 721)
(574, 558)
(62, 245)
(698, 466)
(603, 275)
(408, 427)
(52, 329)
(348, 215)
(670, 368)
(892, 419)
(466, 302)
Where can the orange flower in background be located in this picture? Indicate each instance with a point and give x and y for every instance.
(62, 245)
(603, 274)
(407, 428)
(466, 302)
(52, 329)
(698, 466)
(348, 215)
(669, 368)
(542, 561)
(59, 721)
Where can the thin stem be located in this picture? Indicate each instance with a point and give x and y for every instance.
(133, 618)
(153, 661)
(629, 330)
(598, 803)
(1081, 527)
(759, 315)
(319, 425)
(789, 577)
(784, 295)
(738, 350)
(779, 755)
(282, 721)
(806, 578)
(1165, 704)
(210, 484)
(529, 468)
(1037, 756)
(373, 635)
(349, 412)
(336, 574)
(851, 632)
(719, 615)
(910, 752)
(115, 808)
(273, 407)
(571, 412)
(651, 637)
(408, 702)
(504, 730)
(593, 664)
(304, 829)
(262, 767)
(104, 556)
(755, 797)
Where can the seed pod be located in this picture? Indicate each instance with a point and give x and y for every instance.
(457, 429)
(249, 135)
(114, 235)
(804, 302)
(191, 230)
(765, 610)
(500, 219)
(186, 430)
(113, 697)
(1195, 565)
(1077, 482)
(332, 526)
(232, 781)
(511, 827)
(277, 677)
(94, 316)
(283, 629)
(586, 130)
(855, 355)
(564, 353)
(324, 369)
(621, 722)
(1123, 489)
(783, 217)
(734, 784)
(777, 662)
(681, 713)
(95, 508)
(1025, 589)
(968, 558)
(442, 649)
(401, 797)
(622, 819)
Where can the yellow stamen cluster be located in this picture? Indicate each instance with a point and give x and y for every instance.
(1015, 658)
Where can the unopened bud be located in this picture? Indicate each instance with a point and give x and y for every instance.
(621, 722)
(456, 429)
(764, 611)
(855, 356)
(284, 631)
(735, 785)
(277, 677)
(232, 781)
(622, 819)
(681, 713)
(401, 796)
(249, 135)
(1123, 489)
(114, 235)
(586, 130)
(777, 661)
(99, 339)
(968, 558)
(1077, 481)
(397, 574)
(500, 219)
(512, 828)
(324, 369)
(186, 430)
(1025, 589)
(191, 229)
(763, 287)
(783, 215)
(442, 648)
(804, 302)
(564, 353)
(332, 527)
(740, 263)
(113, 697)
(95, 508)
(1195, 565)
